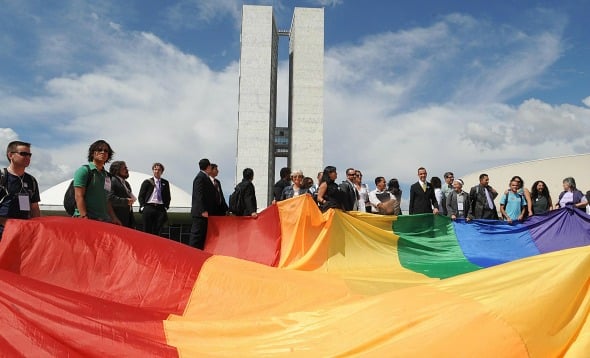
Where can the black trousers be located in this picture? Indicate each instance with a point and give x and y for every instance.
(154, 218)
(491, 214)
(198, 232)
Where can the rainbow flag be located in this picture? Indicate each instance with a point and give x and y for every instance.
(296, 282)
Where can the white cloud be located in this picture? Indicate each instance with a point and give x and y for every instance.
(436, 97)
(6, 136)
(195, 13)
(331, 3)
(151, 103)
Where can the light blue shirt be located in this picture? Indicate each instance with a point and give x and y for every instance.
(514, 205)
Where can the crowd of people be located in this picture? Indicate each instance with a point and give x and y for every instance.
(107, 196)
(435, 196)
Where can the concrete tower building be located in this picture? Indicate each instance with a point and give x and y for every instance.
(260, 142)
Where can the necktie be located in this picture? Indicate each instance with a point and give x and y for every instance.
(158, 191)
(217, 194)
(424, 186)
(489, 198)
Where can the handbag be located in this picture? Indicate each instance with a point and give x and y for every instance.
(390, 207)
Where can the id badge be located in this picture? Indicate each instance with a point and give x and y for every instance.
(107, 184)
(460, 206)
(23, 202)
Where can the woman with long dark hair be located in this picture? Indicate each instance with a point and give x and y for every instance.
(393, 188)
(329, 195)
(540, 197)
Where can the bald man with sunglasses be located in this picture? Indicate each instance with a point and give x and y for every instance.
(19, 191)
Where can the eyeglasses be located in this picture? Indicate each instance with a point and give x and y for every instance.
(23, 154)
(297, 176)
(358, 175)
(102, 150)
(350, 174)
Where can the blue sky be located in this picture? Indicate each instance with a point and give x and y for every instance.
(456, 85)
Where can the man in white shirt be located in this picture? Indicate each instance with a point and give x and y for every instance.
(154, 200)
(381, 200)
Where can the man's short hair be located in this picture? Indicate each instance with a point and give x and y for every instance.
(204, 163)
(481, 176)
(448, 175)
(248, 174)
(12, 146)
(378, 180)
(213, 166)
(285, 172)
(158, 165)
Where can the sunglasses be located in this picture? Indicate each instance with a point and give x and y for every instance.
(23, 154)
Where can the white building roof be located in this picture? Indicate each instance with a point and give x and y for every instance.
(52, 198)
(550, 170)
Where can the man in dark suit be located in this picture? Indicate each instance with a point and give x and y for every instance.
(203, 203)
(221, 207)
(350, 194)
(121, 197)
(422, 198)
(482, 200)
(249, 204)
(281, 184)
(154, 200)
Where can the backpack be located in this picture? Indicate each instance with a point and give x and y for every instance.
(3, 182)
(522, 199)
(236, 205)
(70, 195)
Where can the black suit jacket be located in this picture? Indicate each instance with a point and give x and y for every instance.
(221, 207)
(279, 187)
(349, 196)
(248, 197)
(204, 196)
(422, 202)
(119, 198)
(147, 188)
(479, 203)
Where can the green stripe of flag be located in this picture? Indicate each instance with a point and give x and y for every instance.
(427, 244)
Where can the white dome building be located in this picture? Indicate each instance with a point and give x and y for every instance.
(550, 170)
(52, 198)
